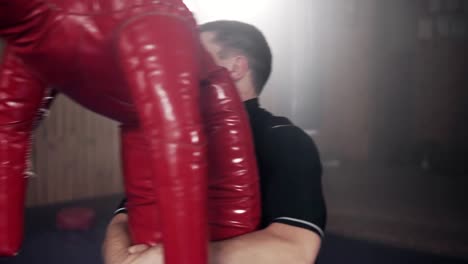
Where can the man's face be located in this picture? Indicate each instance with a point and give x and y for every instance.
(237, 65)
(207, 39)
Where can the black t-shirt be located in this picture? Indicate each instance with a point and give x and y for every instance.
(290, 172)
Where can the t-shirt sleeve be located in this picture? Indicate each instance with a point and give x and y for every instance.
(292, 189)
(121, 209)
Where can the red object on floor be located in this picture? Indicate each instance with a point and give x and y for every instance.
(75, 218)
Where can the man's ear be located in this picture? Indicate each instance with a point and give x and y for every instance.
(239, 68)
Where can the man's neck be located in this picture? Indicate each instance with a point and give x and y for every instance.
(245, 98)
(246, 90)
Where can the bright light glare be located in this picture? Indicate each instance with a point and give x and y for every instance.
(244, 10)
(192, 5)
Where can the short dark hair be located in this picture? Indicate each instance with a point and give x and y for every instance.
(246, 39)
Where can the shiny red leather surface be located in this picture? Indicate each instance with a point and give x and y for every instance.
(161, 68)
(142, 204)
(233, 195)
(20, 96)
(137, 62)
(233, 186)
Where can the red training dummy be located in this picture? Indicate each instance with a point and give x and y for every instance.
(139, 63)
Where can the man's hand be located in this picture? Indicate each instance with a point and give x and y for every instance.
(142, 254)
(115, 249)
(118, 249)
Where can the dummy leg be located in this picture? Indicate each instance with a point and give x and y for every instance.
(233, 195)
(21, 97)
(158, 57)
(233, 183)
(138, 177)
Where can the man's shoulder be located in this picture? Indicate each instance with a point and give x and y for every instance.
(282, 127)
(266, 121)
(275, 130)
(273, 122)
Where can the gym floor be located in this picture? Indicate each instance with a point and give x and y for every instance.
(45, 244)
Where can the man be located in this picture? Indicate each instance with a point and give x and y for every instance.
(293, 208)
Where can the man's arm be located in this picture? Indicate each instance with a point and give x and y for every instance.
(294, 208)
(294, 211)
(278, 243)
